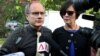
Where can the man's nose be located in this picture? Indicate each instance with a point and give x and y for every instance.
(39, 15)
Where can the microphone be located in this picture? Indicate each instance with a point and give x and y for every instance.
(44, 42)
(42, 46)
(15, 54)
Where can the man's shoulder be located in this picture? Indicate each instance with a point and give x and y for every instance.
(19, 30)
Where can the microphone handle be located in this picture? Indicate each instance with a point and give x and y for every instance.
(63, 53)
(38, 37)
(38, 54)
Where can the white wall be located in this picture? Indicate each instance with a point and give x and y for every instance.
(53, 20)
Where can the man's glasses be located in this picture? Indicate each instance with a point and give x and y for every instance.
(70, 13)
(37, 13)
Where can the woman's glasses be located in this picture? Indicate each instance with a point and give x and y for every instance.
(70, 13)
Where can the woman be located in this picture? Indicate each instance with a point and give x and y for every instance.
(69, 36)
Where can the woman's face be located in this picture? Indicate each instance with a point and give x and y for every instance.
(70, 15)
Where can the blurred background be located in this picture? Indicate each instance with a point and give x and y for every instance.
(12, 15)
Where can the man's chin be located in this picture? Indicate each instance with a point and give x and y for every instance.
(38, 25)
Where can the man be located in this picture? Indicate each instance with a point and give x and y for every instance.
(25, 39)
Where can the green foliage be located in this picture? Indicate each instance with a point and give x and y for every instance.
(10, 9)
(52, 4)
(2, 40)
(97, 15)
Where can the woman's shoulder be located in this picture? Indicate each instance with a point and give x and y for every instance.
(59, 29)
(86, 30)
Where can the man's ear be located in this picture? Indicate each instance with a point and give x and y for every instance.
(26, 16)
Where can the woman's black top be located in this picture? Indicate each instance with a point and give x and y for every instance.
(64, 37)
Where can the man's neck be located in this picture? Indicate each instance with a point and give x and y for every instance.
(36, 27)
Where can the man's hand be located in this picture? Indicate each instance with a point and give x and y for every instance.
(98, 52)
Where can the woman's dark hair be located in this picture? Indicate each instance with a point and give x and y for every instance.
(65, 6)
